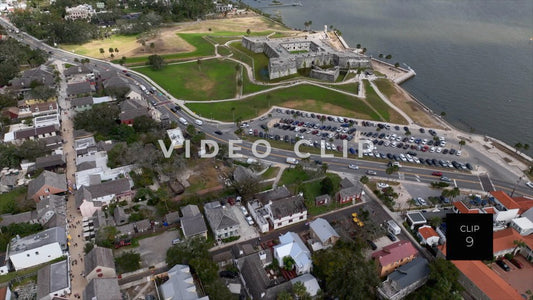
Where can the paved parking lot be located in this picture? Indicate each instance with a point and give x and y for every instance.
(520, 279)
(153, 250)
(414, 145)
(247, 231)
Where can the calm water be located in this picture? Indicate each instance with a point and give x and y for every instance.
(474, 59)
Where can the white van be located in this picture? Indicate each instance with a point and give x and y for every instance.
(393, 227)
(183, 121)
(198, 122)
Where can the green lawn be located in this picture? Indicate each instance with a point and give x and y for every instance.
(272, 172)
(294, 175)
(260, 61)
(211, 79)
(312, 189)
(203, 48)
(224, 51)
(349, 87)
(9, 201)
(248, 87)
(389, 114)
(385, 86)
(307, 97)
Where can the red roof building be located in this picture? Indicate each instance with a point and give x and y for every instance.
(524, 203)
(392, 256)
(428, 235)
(505, 200)
(460, 207)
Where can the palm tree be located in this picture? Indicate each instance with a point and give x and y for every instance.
(364, 179)
(518, 244)
(455, 192)
(299, 290)
(102, 51)
(116, 50)
(111, 50)
(461, 144)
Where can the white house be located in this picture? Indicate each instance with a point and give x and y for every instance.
(522, 225)
(287, 211)
(38, 248)
(291, 245)
(176, 137)
(222, 220)
(82, 11)
(428, 235)
(506, 208)
(89, 199)
(180, 285)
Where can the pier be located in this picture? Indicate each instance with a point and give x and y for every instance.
(281, 5)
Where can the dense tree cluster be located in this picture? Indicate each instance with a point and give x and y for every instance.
(442, 282)
(22, 229)
(345, 272)
(195, 253)
(12, 155)
(14, 54)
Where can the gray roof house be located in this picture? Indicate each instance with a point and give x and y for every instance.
(102, 289)
(51, 211)
(74, 70)
(50, 162)
(405, 279)
(41, 74)
(180, 285)
(142, 225)
(82, 103)
(192, 223)
(89, 197)
(120, 216)
(222, 220)
(80, 88)
(53, 281)
(48, 183)
(322, 231)
(99, 263)
(172, 217)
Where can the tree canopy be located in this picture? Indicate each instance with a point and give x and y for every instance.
(442, 282)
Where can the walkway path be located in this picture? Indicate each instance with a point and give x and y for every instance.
(74, 219)
(386, 100)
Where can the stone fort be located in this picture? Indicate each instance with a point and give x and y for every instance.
(287, 55)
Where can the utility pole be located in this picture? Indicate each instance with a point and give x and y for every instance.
(517, 182)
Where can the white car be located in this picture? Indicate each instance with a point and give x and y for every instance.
(458, 153)
(382, 185)
(244, 210)
(424, 141)
(439, 150)
(421, 201)
(250, 132)
(529, 184)
(353, 167)
(416, 160)
(432, 149)
(250, 221)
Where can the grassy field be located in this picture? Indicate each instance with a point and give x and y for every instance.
(260, 61)
(307, 97)
(195, 81)
(389, 114)
(248, 87)
(9, 201)
(272, 172)
(124, 43)
(349, 87)
(311, 190)
(223, 50)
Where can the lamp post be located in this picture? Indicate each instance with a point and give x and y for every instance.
(517, 182)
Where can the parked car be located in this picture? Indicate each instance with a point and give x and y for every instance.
(218, 132)
(353, 167)
(382, 185)
(250, 220)
(445, 179)
(391, 237)
(122, 243)
(228, 274)
(372, 244)
(370, 172)
(503, 265)
(516, 263)
(421, 201)
(529, 183)
(437, 174)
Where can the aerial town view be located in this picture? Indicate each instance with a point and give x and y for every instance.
(266, 149)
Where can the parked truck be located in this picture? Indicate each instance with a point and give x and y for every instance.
(393, 227)
(292, 161)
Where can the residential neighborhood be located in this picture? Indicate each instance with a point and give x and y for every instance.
(266, 165)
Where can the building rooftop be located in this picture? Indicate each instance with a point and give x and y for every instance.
(180, 285)
(310, 283)
(416, 217)
(427, 232)
(194, 225)
(45, 237)
(79, 88)
(292, 245)
(287, 206)
(505, 200)
(99, 257)
(58, 181)
(49, 161)
(406, 275)
(395, 252)
(35, 131)
(82, 101)
(323, 229)
(102, 289)
(504, 239)
(275, 194)
(219, 217)
(52, 278)
(190, 210)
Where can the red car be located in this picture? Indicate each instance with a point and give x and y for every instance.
(122, 243)
(516, 263)
(436, 173)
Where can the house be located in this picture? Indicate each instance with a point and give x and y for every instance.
(222, 220)
(180, 285)
(37, 248)
(27, 109)
(287, 211)
(102, 289)
(405, 279)
(51, 163)
(130, 109)
(99, 263)
(291, 245)
(82, 11)
(42, 75)
(142, 226)
(48, 183)
(415, 219)
(192, 223)
(507, 208)
(255, 280)
(51, 211)
(503, 242)
(428, 236)
(126, 229)
(394, 255)
(79, 89)
(134, 93)
(310, 283)
(91, 198)
(82, 103)
(24, 217)
(522, 225)
(120, 215)
(77, 70)
(460, 208)
(116, 81)
(322, 232)
(53, 281)
(172, 218)
(31, 133)
(322, 200)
